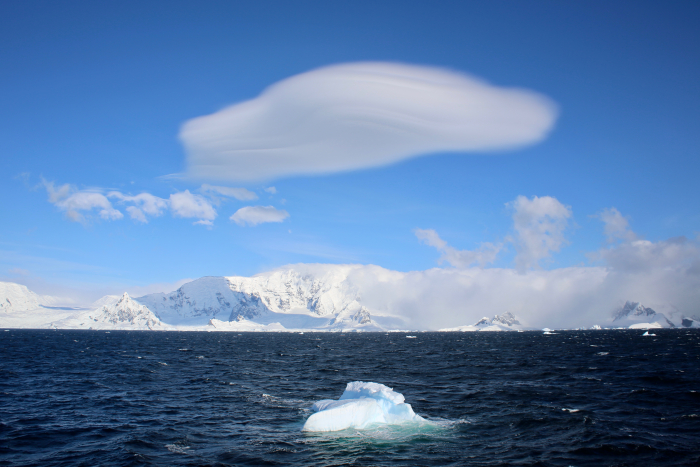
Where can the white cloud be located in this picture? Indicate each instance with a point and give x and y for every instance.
(136, 214)
(271, 189)
(145, 203)
(185, 204)
(74, 202)
(664, 275)
(539, 224)
(254, 215)
(240, 194)
(437, 298)
(632, 254)
(675, 252)
(643, 255)
(616, 226)
(359, 115)
(482, 256)
(569, 297)
(57, 194)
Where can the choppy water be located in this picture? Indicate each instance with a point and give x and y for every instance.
(169, 398)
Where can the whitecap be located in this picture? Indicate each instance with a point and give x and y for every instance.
(177, 448)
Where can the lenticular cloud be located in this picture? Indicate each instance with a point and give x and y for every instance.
(358, 115)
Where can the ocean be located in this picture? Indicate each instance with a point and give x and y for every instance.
(122, 398)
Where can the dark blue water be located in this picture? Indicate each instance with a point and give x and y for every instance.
(169, 398)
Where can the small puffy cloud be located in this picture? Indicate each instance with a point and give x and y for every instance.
(616, 226)
(254, 215)
(539, 224)
(271, 189)
(240, 194)
(57, 194)
(186, 204)
(430, 238)
(482, 256)
(358, 115)
(139, 207)
(86, 201)
(74, 202)
(145, 203)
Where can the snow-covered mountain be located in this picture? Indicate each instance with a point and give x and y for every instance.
(634, 315)
(293, 297)
(15, 297)
(504, 322)
(124, 313)
(22, 308)
(297, 297)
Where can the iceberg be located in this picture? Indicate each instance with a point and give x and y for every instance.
(361, 405)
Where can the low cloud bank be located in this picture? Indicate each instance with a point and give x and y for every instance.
(558, 298)
(359, 115)
(664, 275)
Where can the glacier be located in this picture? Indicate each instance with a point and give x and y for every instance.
(360, 406)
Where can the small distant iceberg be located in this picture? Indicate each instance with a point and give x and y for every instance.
(361, 405)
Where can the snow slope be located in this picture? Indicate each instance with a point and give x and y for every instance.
(125, 313)
(15, 297)
(634, 315)
(294, 298)
(22, 308)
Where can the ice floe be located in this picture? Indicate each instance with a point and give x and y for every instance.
(361, 405)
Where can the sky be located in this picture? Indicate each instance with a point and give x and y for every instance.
(144, 144)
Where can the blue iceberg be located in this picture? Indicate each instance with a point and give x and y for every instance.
(361, 405)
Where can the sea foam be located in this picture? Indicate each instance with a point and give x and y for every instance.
(361, 405)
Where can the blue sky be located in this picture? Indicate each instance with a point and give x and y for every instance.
(94, 95)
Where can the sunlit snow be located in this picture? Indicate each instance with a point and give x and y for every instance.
(361, 405)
